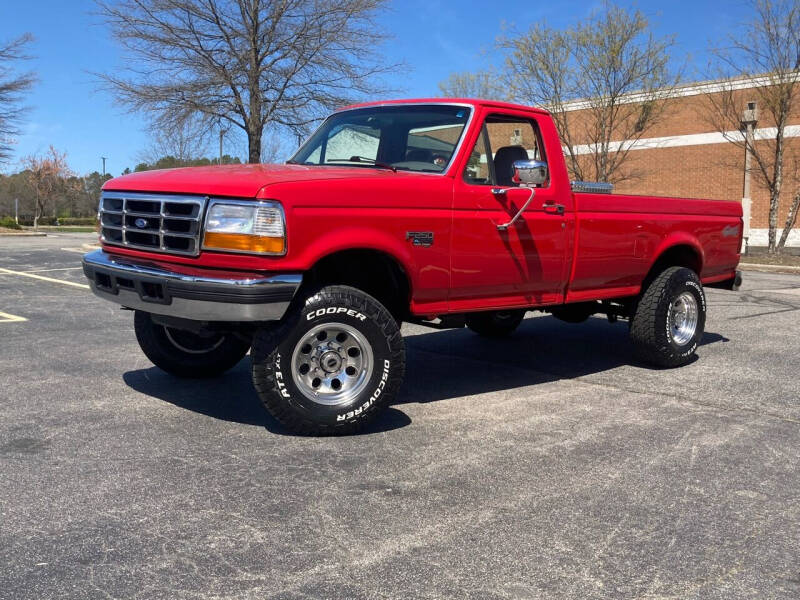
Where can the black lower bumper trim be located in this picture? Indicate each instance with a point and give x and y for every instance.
(214, 293)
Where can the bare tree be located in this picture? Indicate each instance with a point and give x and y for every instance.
(768, 49)
(12, 87)
(275, 147)
(50, 177)
(184, 141)
(483, 84)
(250, 63)
(609, 65)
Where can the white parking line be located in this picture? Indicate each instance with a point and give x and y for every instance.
(61, 269)
(7, 318)
(42, 278)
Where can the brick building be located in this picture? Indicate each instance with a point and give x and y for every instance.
(684, 155)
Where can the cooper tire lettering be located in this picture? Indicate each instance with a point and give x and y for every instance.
(335, 310)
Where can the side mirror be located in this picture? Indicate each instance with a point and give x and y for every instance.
(530, 173)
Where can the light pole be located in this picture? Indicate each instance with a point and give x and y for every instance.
(104, 166)
(222, 133)
(749, 120)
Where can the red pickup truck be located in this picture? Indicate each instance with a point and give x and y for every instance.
(449, 213)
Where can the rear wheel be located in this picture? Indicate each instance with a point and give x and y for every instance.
(495, 324)
(186, 353)
(330, 366)
(670, 318)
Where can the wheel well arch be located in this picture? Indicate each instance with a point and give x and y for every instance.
(375, 272)
(679, 255)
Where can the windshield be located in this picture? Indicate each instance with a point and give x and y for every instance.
(402, 137)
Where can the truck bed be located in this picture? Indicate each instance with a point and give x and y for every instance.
(618, 237)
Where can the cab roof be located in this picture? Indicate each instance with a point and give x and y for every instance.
(473, 102)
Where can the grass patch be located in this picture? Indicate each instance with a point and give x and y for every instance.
(67, 229)
(9, 223)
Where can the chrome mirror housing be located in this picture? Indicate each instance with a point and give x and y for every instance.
(530, 173)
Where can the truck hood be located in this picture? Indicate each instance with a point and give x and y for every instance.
(238, 181)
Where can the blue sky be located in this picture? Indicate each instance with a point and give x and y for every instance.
(433, 37)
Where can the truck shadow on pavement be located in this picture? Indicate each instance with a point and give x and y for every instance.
(230, 398)
(455, 363)
(440, 365)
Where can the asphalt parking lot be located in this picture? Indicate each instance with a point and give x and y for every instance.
(550, 465)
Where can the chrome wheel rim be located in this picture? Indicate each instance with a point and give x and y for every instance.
(332, 364)
(683, 316)
(191, 343)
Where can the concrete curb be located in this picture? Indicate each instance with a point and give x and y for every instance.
(769, 268)
(22, 234)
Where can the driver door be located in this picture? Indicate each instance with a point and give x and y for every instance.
(525, 264)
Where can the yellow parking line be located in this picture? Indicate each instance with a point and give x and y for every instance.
(42, 278)
(7, 318)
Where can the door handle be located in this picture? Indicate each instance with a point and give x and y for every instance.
(553, 209)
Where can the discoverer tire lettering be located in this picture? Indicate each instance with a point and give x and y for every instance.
(372, 399)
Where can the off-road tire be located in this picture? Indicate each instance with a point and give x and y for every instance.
(279, 381)
(166, 349)
(496, 323)
(651, 326)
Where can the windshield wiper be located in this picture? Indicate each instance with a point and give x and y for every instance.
(360, 159)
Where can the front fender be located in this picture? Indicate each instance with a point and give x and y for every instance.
(356, 238)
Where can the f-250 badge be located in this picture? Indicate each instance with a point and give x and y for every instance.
(420, 238)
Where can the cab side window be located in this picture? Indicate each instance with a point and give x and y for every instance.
(502, 141)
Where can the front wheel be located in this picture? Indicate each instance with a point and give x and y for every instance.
(185, 353)
(670, 318)
(330, 366)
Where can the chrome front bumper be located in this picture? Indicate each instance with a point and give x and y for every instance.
(199, 294)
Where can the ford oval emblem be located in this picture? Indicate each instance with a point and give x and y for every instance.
(140, 223)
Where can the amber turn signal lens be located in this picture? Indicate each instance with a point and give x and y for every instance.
(244, 243)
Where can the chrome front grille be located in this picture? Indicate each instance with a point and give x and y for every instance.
(170, 224)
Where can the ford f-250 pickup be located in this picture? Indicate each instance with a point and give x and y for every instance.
(450, 213)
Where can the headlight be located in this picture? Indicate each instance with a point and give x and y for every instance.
(252, 227)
